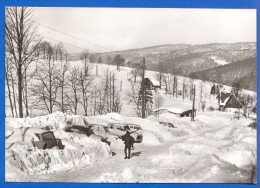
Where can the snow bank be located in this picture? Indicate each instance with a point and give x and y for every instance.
(54, 121)
(126, 175)
(22, 159)
(223, 151)
(214, 148)
(153, 132)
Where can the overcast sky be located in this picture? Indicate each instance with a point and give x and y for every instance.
(127, 28)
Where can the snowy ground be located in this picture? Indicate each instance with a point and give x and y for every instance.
(219, 61)
(215, 148)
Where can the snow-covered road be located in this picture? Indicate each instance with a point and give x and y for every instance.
(116, 169)
(223, 153)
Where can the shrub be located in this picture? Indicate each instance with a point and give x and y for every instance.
(211, 108)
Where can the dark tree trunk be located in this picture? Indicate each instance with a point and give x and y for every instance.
(20, 96)
(9, 90)
(143, 90)
(193, 104)
(50, 84)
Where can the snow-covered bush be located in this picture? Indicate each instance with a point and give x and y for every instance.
(211, 109)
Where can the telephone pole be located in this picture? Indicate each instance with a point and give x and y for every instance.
(193, 103)
(143, 91)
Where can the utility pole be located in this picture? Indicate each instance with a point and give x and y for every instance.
(176, 87)
(183, 90)
(200, 97)
(192, 113)
(238, 106)
(143, 91)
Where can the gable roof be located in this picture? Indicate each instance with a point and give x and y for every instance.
(226, 97)
(154, 82)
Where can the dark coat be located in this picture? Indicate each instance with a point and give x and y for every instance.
(129, 140)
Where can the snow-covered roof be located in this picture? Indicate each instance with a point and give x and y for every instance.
(155, 82)
(223, 103)
(225, 89)
(178, 109)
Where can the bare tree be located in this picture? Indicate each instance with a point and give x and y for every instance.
(165, 80)
(133, 96)
(73, 97)
(159, 77)
(116, 95)
(63, 84)
(56, 52)
(158, 102)
(21, 42)
(101, 103)
(107, 97)
(60, 51)
(44, 45)
(183, 89)
(118, 61)
(191, 88)
(135, 73)
(143, 90)
(8, 84)
(175, 86)
(85, 83)
(27, 77)
(13, 82)
(47, 85)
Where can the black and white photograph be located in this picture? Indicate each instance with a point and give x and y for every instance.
(130, 95)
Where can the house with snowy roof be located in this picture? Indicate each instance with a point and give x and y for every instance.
(152, 84)
(182, 110)
(228, 100)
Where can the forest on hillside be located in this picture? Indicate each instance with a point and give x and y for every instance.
(242, 73)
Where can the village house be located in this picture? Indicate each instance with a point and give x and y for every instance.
(228, 100)
(182, 110)
(152, 84)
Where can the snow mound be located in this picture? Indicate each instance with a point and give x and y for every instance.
(153, 132)
(126, 175)
(54, 121)
(222, 152)
(22, 159)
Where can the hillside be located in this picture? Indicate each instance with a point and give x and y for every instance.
(186, 60)
(242, 72)
(122, 82)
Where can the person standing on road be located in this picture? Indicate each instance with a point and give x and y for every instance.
(128, 141)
